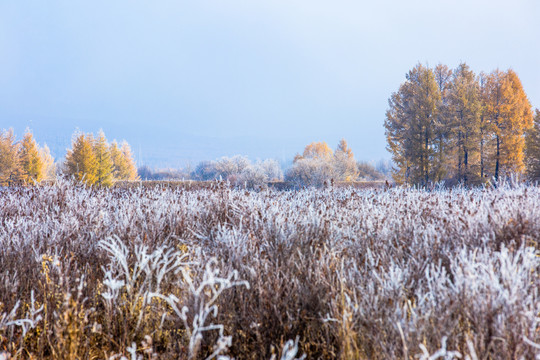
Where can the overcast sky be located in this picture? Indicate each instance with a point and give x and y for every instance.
(184, 81)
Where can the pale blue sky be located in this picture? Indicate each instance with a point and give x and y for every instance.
(184, 81)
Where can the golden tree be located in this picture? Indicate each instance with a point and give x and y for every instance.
(130, 172)
(80, 159)
(509, 115)
(104, 162)
(464, 109)
(31, 162)
(123, 164)
(442, 140)
(412, 127)
(532, 149)
(10, 165)
(316, 150)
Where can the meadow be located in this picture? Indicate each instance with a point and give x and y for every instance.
(215, 273)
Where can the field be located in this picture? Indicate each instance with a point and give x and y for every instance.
(168, 272)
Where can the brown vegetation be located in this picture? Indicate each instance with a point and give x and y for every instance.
(354, 274)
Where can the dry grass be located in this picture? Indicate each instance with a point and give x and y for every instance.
(169, 272)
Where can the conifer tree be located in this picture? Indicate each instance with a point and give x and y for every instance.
(442, 126)
(117, 158)
(465, 109)
(411, 126)
(509, 116)
(104, 163)
(533, 149)
(123, 164)
(484, 126)
(130, 172)
(10, 165)
(31, 161)
(80, 159)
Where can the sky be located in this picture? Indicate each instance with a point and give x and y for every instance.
(186, 81)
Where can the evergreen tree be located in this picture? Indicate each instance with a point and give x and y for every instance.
(10, 165)
(31, 161)
(104, 163)
(80, 159)
(533, 149)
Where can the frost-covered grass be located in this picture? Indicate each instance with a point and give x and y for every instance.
(148, 273)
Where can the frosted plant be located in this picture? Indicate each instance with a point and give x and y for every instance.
(289, 351)
(205, 294)
(442, 353)
(141, 278)
(113, 289)
(33, 317)
(7, 319)
(376, 272)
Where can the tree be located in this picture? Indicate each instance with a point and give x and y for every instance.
(319, 164)
(442, 126)
(123, 164)
(104, 163)
(10, 165)
(118, 160)
(205, 170)
(344, 163)
(311, 172)
(31, 161)
(464, 104)
(49, 168)
(509, 115)
(368, 172)
(80, 159)
(230, 168)
(484, 127)
(411, 126)
(130, 169)
(533, 149)
(271, 169)
(317, 150)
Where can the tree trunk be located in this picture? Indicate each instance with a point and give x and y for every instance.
(497, 158)
(482, 154)
(427, 157)
(465, 164)
(460, 147)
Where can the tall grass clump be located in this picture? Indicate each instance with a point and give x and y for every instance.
(217, 273)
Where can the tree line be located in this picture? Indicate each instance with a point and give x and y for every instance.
(455, 126)
(92, 160)
(317, 165)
